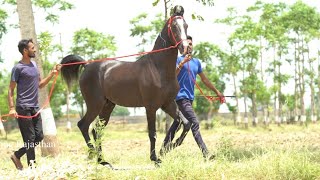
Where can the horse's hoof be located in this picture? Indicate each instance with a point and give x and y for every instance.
(157, 163)
(106, 164)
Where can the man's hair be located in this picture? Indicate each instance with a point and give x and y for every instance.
(23, 44)
(189, 37)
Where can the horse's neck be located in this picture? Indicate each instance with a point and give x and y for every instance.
(165, 60)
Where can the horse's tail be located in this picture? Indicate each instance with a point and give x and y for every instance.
(70, 73)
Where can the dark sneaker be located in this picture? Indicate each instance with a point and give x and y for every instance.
(209, 157)
(16, 162)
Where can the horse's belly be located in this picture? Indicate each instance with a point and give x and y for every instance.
(128, 97)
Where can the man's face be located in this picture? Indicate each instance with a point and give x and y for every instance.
(31, 51)
(190, 46)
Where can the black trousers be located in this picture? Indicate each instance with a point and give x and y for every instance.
(31, 131)
(185, 107)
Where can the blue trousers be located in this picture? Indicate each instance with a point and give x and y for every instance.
(185, 107)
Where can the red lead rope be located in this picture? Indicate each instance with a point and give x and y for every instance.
(209, 98)
(45, 104)
(84, 62)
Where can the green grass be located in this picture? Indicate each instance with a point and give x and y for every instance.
(286, 152)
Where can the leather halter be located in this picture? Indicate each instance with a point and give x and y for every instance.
(170, 29)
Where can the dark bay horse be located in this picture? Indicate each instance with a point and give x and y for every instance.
(149, 82)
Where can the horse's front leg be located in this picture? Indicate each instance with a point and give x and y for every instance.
(151, 117)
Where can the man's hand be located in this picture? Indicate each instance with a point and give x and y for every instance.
(221, 98)
(56, 68)
(187, 58)
(13, 113)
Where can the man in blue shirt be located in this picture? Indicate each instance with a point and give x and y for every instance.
(25, 76)
(187, 70)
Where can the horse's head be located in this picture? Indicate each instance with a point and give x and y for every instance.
(177, 29)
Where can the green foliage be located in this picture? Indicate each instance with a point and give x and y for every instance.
(58, 96)
(263, 94)
(4, 85)
(205, 51)
(120, 111)
(197, 17)
(251, 84)
(302, 17)
(155, 2)
(3, 27)
(50, 7)
(91, 44)
(289, 101)
(96, 152)
(206, 2)
(146, 31)
(201, 104)
(12, 2)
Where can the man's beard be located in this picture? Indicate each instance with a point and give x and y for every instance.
(32, 55)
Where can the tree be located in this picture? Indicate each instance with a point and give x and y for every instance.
(230, 63)
(3, 27)
(4, 81)
(146, 33)
(93, 45)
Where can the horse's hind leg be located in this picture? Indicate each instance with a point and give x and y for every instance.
(173, 111)
(104, 117)
(88, 118)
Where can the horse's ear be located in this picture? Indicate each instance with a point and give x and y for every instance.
(178, 10)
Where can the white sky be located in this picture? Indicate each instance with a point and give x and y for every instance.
(113, 18)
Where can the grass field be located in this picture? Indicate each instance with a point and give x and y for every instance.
(286, 152)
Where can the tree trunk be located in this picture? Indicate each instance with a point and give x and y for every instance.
(254, 111)
(68, 111)
(318, 99)
(262, 79)
(280, 114)
(296, 83)
(312, 94)
(2, 130)
(302, 86)
(238, 117)
(276, 118)
(245, 106)
(49, 146)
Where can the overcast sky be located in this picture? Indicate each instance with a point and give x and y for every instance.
(113, 18)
